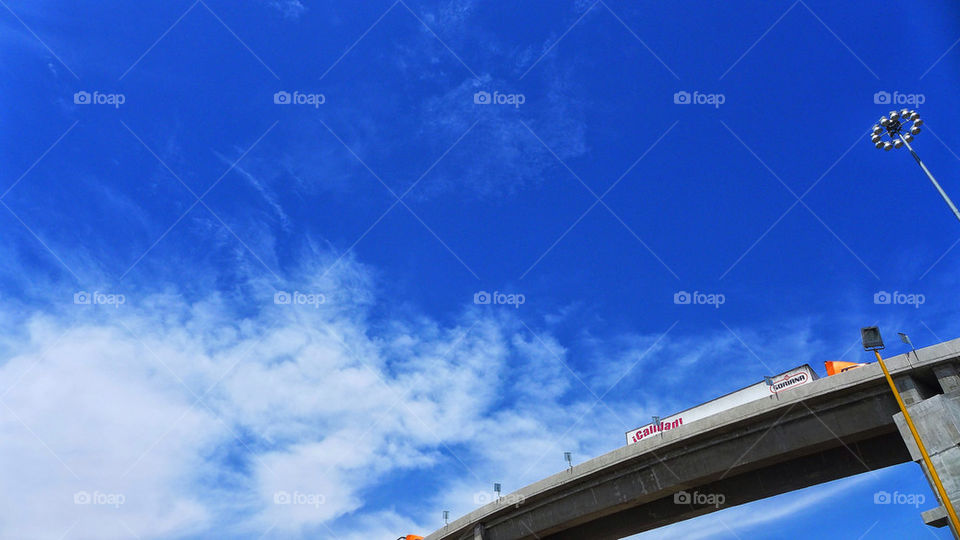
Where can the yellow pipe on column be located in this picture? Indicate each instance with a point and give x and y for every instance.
(951, 513)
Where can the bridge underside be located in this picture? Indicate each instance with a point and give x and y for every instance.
(837, 427)
(809, 443)
(831, 464)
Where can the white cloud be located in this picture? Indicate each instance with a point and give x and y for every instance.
(199, 417)
(202, 413)
(84, 419)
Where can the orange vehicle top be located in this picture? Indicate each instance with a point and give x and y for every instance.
(835, 366)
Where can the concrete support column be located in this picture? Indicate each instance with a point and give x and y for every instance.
(913, 390)
(948, 376)
(937, 420)
(478, 532)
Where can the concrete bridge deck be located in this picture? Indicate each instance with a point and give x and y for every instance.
(828, 429)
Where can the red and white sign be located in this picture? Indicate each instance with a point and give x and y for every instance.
(780, 383)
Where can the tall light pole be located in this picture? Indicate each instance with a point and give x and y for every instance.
(895, 126)
(873, 342)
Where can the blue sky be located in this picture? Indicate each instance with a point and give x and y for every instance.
(382, 393)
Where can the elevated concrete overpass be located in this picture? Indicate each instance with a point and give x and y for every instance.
(831, 428)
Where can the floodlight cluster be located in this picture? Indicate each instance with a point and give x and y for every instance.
(900, 126)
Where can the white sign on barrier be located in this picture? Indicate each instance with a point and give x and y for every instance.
(780, 383)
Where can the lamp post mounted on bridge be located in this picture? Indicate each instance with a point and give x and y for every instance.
(873, 342)
(906, 339)
(896, 129)
(656, 425)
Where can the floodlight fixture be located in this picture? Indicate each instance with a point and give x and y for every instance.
(901, 127)
(870, 336)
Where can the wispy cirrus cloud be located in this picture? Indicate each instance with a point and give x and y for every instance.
(291, 9)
